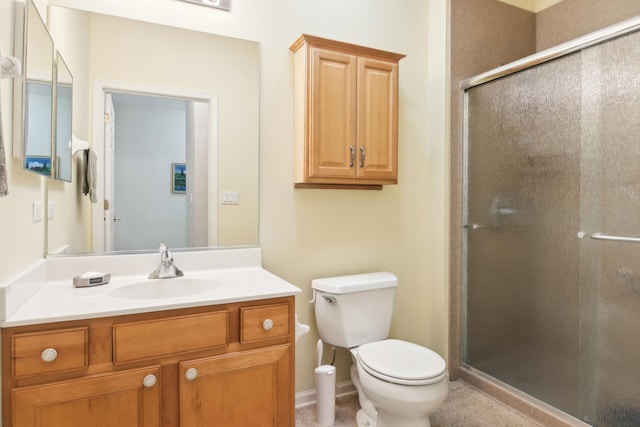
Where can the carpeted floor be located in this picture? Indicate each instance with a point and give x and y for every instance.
(465, 407)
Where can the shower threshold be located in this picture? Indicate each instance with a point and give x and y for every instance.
(522, 402)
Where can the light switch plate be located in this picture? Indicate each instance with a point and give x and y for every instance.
(38, 211)
(230, 198)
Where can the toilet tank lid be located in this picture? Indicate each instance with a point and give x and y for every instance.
(355, 282)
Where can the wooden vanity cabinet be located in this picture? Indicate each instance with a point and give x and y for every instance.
(223, 365)
(346, 114)
(247, 394)
(114, 399)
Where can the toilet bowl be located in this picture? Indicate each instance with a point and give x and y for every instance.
(399, 384)
(404, 382)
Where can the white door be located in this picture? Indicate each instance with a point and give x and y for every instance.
(109, 141)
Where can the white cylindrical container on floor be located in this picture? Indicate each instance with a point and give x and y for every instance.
(325, 395)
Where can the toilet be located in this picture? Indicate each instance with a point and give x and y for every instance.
(399, 384)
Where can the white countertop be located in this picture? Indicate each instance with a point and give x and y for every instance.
(52, 299)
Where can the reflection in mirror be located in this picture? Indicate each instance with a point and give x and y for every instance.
(34, 109)
(221, 73)
(171, 182)
(37, 127)
(63, 115)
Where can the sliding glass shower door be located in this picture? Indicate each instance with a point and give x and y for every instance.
(552, 169)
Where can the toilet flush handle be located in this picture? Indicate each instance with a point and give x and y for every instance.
(330, 300)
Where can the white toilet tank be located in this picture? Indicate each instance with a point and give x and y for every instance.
(354, 310)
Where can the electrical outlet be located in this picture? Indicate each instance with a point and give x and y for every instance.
(51, 210)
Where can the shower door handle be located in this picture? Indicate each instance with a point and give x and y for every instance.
(627, 239)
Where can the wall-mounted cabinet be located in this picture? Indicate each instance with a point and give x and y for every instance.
(346, 115)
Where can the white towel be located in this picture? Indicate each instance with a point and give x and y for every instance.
(9, 66)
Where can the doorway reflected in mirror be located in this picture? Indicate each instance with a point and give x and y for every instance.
(148, 135)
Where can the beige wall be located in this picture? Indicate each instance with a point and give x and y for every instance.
(314, 233)
(21, 241)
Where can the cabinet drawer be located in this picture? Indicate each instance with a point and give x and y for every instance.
(153, 338)
(49, 352)
(264, 322)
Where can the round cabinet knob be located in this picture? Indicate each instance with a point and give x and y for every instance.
(191, 374)
(267, 325)
(49, 355)
(149, 381)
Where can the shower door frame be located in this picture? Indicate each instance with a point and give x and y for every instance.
(538, 410)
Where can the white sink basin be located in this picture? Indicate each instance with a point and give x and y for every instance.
(165, 288)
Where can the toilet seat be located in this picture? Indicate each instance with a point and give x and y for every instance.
(401, 362)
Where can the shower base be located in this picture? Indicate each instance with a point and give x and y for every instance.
(527, 405)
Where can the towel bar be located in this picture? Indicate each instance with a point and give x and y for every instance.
(600, 236)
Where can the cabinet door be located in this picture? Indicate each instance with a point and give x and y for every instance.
(251, 388)
(377, 119)
(332, 108)
(116, 399)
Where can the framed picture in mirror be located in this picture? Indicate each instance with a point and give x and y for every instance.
(38, 164)
(178, 178)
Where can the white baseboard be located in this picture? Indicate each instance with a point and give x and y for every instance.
(308, 397)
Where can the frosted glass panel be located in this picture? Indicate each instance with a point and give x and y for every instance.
(553, 156)
(523, 257)
(612, 87)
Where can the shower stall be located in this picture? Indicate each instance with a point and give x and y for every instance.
(551, 212)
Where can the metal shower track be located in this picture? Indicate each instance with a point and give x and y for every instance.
(605, 34)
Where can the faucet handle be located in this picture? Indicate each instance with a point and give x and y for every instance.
(164, 251)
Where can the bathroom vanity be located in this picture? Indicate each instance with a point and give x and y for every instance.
(224, 357)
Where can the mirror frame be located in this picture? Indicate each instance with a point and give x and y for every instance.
(64, 147)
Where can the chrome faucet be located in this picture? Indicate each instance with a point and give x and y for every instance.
(166, 269)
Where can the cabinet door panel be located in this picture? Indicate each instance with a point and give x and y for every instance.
(377, 119)
(242, 389)
(332, 105)
(117, 399)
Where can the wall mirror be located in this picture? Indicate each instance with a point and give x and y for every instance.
(120, 64)
(63, 119)
(33, 93)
